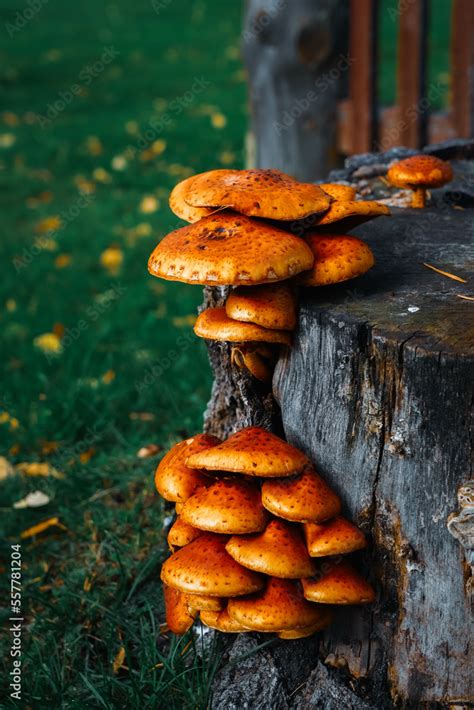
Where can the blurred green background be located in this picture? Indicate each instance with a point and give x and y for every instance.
(105, 107)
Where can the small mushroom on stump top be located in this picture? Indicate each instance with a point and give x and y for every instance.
(419, 173)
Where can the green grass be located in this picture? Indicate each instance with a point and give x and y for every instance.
(131, 372)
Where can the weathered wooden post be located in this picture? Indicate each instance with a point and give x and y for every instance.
(377, 390)
(296, 56)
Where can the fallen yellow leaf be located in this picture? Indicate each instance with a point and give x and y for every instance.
(119, 659)
(183, 321)
(48, 224)
(41, 527)
(112, 259)
(149, 204)
(48, 343)
(108, 377)
(62, 260)
(86, 456)
(218, 120)
(37, 468)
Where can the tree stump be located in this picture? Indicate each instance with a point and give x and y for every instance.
(377, 390)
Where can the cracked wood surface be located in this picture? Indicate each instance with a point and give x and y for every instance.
(377, 390)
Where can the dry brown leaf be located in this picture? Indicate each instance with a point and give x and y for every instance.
(119, 659)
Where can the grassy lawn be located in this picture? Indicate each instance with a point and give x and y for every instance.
(84, 200)
(105, 107)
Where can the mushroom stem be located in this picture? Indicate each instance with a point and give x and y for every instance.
(250, 359)
(419, 197)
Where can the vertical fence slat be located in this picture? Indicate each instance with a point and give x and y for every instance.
(462, 67)
(363, 74)
(411, 74)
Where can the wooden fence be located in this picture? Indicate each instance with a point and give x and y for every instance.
(364, 124)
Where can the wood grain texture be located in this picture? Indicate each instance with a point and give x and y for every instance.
(377, 390)
(296, 56)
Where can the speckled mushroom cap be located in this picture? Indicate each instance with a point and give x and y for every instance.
(339, 192)
(181, 208)
(254, 452)
(181, 534)
(337, 258)
(420, 171)
(204, 567)
(304, 499)
(229, 250)
(270, 305)
(326, 618)
(335, 537)
(278, 551)
(201, 602)
(340, 584)
(257, 193)
(229, 506)
(281, 605)
(358, 210)
(173, 479)
(215, 324)
(179, 617)
(221, 621)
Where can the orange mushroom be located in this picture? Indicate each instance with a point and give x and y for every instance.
(337, 257)
(339, 584)
(252, 451)
(335, 537)
(204, 567)
(278, 551)
(270, 306)
(302, 499)
(173, 479)
(229, 506)
(215, 324)
(229, 249)
(420, 173)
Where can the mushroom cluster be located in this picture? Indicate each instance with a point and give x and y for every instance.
(259, 540)
(262, 233)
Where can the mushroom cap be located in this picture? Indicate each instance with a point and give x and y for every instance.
(337, 257)
(339, 584)
(253, 451)
(179, 617)
(228, 249)
(201, 602)
(270, 306)
(204, 567)
(322, 623)
(337, 191)
(278, 551)
(363, 210)
(181, 208)
(335, 537)
(257, 193)
(181, 533)
(221, 621)
(229, 506)
(174, 480)
(215, 324)
(280, 606)
(420, 171)
(303, 499)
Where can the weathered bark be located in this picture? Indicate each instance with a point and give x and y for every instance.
(377, 390)
(296, 56)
